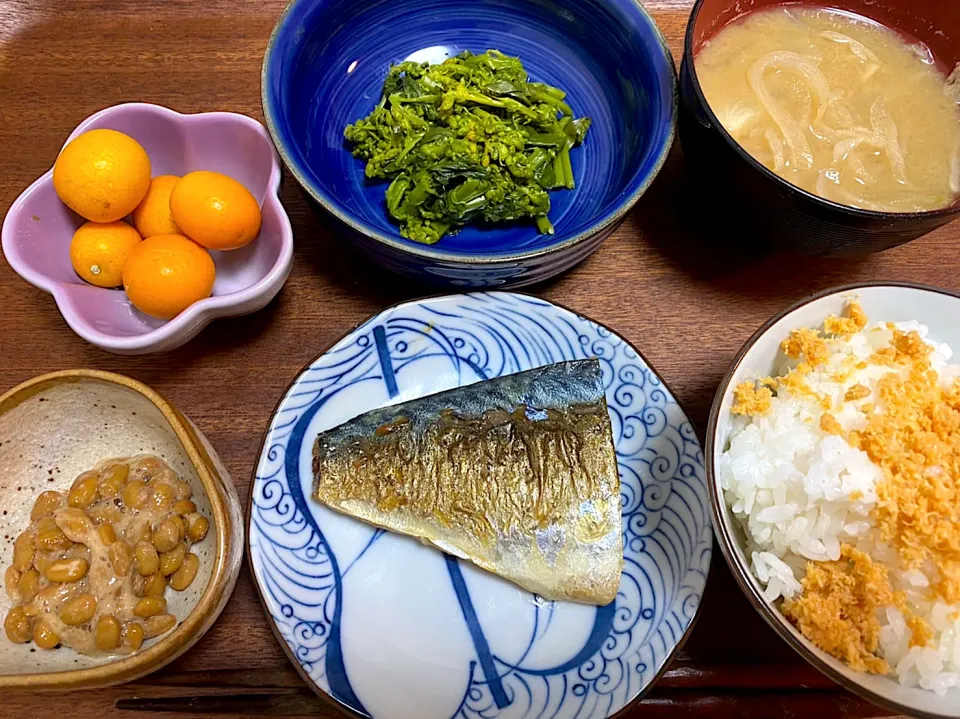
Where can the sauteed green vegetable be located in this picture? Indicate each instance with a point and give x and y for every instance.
(468, 140)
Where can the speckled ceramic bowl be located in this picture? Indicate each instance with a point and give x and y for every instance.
(37, 230)
(888, 301)
(54, 427)
(324, 69)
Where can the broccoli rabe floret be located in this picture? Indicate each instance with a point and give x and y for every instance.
(470, 139)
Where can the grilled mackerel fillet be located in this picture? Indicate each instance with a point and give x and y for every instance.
(516, 474)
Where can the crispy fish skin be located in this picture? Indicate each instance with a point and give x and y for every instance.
(517, 474)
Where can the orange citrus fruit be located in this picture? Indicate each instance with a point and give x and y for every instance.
(102, 175)
(165, 274)
(215, 210)
(98, 251)
(152, 216)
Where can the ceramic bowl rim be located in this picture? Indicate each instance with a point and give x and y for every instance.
(718, 508)
(426, 252)
(182, 637)
(784, 184)
(197, 315)
(347, 711)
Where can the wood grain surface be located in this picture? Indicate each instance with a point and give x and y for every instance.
(673, 287)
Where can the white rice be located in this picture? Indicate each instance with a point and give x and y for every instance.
(789, 483)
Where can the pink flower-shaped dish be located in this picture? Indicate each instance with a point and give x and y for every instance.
(38, 228)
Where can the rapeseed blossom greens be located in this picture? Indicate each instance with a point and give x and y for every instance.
(470, 139)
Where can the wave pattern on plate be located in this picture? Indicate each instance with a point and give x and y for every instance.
(667, 536)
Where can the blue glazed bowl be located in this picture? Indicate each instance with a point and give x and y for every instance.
(324, 68)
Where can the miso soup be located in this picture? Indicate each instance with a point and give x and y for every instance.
(839, 106)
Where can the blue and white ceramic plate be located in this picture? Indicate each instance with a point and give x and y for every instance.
(392, 629)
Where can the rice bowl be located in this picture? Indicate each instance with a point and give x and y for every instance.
(803, 511)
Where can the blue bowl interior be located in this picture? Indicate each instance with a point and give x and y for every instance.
(328, 59)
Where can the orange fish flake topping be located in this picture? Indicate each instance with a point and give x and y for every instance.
(751, 400)
(847, 369)
(858, 391)
(914, 437)
(910, 347)
(906, 349)
(807, 344)
(829, 424)
(854, 320)
(887, 357)
(921, 631)
(915, 440)
(838, 608)
(794, 383)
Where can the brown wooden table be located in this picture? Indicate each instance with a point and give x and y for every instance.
(676, 292)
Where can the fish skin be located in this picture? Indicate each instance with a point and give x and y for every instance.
(517, 474)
